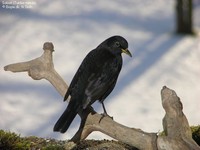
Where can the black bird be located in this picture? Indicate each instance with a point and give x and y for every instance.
(94, 80)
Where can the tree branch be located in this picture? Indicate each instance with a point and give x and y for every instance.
(41, 68)
(175, 123)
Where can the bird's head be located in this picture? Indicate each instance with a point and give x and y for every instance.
(117, 45)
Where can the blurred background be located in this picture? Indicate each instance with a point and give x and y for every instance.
(165, 48)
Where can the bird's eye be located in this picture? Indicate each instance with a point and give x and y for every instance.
(117, 44)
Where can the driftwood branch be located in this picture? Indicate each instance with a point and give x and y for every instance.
(176, 127)
(175, 124)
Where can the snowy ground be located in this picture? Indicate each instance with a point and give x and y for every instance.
(159, 58)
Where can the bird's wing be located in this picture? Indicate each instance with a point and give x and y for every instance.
(95, 78)
(82, 73)
(101, 83)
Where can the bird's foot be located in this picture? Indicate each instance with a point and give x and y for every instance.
(105, 115)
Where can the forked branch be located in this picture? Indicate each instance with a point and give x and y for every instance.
(178, 134)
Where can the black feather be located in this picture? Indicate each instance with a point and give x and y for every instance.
(66, 118)
(94, 80)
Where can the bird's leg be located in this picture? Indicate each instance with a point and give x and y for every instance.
(104, 110)
(105, 114)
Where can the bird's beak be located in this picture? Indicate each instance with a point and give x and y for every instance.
(126, 51)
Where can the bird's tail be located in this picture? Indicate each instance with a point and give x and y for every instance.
(66, 119)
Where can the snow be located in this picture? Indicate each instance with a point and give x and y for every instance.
(160, 58)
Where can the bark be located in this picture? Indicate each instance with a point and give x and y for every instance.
(184, 16)
(176, 127)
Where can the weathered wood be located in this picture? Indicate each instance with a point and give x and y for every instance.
(178, 134)
(175, 124)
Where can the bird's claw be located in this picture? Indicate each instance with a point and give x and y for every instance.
(105, 115)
